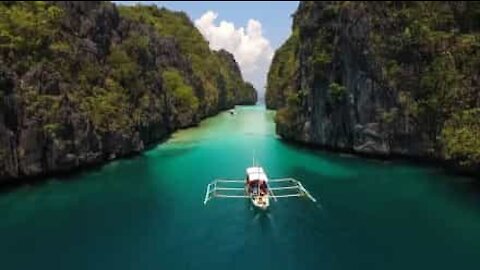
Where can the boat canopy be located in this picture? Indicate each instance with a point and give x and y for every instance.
(256, 174)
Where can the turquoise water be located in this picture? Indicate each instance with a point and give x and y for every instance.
(147, 212)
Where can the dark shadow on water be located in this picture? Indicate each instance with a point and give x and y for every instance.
(446, 167)
(64, 176)
(74, 174)
(464, 189)
(260, 217)
(264, 219)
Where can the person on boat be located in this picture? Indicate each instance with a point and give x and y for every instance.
(263, 188)
(255, 189)
(248, 184)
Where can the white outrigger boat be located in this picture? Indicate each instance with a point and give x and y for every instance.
(256, 188)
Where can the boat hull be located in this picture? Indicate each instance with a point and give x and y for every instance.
(260, 202)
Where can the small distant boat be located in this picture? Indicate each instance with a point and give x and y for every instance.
(256, 188)
(232, 112)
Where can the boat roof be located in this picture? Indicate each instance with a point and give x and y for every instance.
(256, 173)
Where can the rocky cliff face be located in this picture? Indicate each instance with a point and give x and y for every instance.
(81, 83)
(283, 75)
(382, 78)
(244, 93)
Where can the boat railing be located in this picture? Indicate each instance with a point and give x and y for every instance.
(214, 189)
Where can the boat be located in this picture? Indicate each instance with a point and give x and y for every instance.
(232, 112)
(257, 188)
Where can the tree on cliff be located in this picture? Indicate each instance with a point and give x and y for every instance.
(382, 77)
(82, 82)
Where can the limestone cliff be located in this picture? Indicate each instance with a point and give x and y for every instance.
(85, 82)
(384, 78)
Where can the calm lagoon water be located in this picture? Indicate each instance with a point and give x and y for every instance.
(147, 212)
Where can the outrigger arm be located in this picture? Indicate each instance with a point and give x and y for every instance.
(212, 192)
(297, 185)
(214, 189)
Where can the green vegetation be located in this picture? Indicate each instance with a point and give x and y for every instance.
(220, 84)
(113, 89)
(461, 137)
(337, 92)
(283, 72)
(43, 108)
(108, 108)
(27, 29)
(322, 54)
(425, 55)
(432, 37)
(185, 99)
(123, 68)
(287, 116)
(82, 73)
(27, 26)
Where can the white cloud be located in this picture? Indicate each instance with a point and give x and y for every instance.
(250, 48)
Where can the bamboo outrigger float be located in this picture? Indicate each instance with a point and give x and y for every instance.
(256, 187)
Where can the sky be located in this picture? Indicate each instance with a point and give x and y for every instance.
(251, 31)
